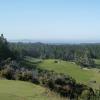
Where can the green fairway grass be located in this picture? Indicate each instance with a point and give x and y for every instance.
(18, 90)
(75, 71)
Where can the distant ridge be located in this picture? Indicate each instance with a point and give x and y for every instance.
(56, 41)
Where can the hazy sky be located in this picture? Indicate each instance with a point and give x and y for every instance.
(50, 19)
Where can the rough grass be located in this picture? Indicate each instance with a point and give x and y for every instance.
(75, 71)
(18, 90)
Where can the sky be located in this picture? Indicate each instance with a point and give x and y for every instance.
(59, 20)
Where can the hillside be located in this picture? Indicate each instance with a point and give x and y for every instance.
(16, 67)
(18, 90)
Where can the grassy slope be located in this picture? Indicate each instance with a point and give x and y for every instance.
(83, 76)
(18, 90)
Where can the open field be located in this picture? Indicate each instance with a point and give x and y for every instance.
(18, 90)
(85, 76)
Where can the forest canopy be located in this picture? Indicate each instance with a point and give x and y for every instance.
(83, 54)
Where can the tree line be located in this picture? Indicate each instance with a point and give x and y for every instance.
(82, 54)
